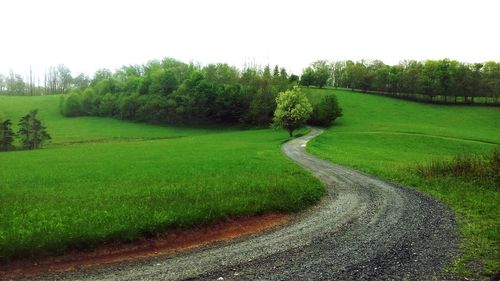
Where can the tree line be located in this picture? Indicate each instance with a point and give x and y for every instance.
(446, 81)
(32, 133)
(440, 81)
(173, 92)
(55, 80)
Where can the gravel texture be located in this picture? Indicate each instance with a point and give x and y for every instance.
(363, 229)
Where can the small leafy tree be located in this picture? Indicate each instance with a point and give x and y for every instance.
(322, 73)
(72, 106)
(318, 74)
(6, 135)
(108, 106)
(88, 102)
(292, 110)
(308, 77)
(129, 105)
(325, 112)
(31, 131)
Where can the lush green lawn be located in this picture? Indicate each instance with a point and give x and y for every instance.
(84, 129)
(130, 179)
(388, 138)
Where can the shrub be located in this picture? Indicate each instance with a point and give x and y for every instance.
(494, 163)
(6, 135)
(153, 108)
(476, 167)
(129, 106)
(88, 101)
(108, 106)
(72, 106)
(325, 112)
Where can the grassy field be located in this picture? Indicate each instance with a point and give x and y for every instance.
(66, 131)
(389, 138)
(103, 179)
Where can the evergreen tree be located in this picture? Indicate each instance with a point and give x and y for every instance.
(6, 136)
(31, 131)
(276, 71)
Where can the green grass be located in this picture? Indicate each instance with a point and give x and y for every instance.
(129, 180)
(390, 138)
(66, 131)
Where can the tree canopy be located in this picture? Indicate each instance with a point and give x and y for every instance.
(325, 111)
(31, 131)
(292, 111)
(443, 80)
(170, 91)
(440, 81)
(7, 135)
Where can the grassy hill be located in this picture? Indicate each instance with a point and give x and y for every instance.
(390, 138)
(102, 179)
(85, 129)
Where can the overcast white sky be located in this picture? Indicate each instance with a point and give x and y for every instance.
(87, 35)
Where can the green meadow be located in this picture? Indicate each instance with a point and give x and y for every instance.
(102, 180)
(389, 138)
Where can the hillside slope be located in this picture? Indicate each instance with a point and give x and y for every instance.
(104, 180)
(389, 138)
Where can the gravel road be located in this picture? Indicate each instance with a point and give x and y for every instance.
(363, 229)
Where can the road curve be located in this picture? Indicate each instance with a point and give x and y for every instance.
(363, 229)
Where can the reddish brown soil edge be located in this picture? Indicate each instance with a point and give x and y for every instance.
(172, 241)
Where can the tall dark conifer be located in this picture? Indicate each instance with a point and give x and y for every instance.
(6, 136)
(32, 132)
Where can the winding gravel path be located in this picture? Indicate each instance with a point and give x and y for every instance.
(363, 229)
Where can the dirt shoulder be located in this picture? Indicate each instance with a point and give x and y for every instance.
(161, 245)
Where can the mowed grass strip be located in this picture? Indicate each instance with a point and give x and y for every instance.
(389, 138)
(80, 195)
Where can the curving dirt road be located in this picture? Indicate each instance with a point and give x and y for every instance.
(363, 229)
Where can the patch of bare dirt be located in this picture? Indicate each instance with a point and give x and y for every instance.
(170, 242)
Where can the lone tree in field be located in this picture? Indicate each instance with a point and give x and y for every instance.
(292, 110)
(31, 131)
(6, 135)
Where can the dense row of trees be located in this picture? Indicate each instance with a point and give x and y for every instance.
(317, 74)
(170, 91)
(32, 133)
(56, 80)
(173, 92)
(432, 80)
